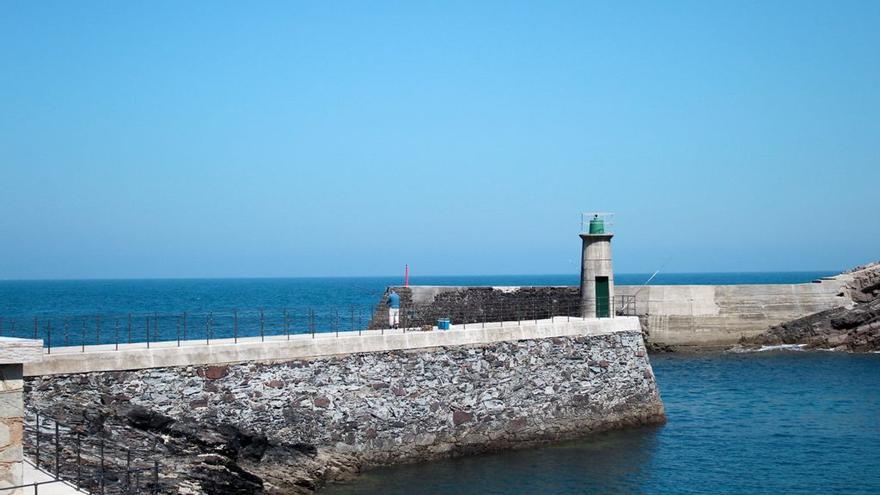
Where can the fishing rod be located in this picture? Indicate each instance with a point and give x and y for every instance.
(654, 275)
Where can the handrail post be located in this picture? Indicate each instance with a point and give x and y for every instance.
(155, 476)
(235, 325)
(128, 470)
(78, 457)
(37, 458)
(57, 452)
(102, 462)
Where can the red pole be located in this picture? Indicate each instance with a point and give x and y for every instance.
(406, 276)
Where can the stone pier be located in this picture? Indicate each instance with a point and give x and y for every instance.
(287, 416)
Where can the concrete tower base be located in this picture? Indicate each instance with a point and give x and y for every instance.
(597, 276)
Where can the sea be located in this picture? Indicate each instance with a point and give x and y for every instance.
(777, 421)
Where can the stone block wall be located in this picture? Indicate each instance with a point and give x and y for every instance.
(423, 305)
(301, 423)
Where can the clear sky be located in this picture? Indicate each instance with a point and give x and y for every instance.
(212, 139)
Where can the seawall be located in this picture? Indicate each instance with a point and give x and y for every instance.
(724, 314)
(670, 314)
(300, 422)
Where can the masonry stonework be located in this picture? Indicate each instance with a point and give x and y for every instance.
(337, 415)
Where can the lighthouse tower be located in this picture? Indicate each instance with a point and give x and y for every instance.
(597, 276)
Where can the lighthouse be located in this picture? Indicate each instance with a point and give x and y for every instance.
(597, 276)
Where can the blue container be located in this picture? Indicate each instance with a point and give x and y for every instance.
(443, 324)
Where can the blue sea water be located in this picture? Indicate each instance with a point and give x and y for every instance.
(760, 423)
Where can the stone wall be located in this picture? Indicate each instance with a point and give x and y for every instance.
(423, 305)
(289, 427)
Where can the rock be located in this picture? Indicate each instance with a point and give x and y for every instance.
(855, 329)
(214, 372)
(322, 402)
(461, 417)
(146, 419)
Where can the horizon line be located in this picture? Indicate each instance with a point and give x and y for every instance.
(117, 279)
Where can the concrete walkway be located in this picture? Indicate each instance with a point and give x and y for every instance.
(33, 475)
(63, 360)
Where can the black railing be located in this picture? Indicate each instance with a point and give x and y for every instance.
(625, 305)
(147, 329)
(91, 463)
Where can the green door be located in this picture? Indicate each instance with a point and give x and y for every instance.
(603, 305)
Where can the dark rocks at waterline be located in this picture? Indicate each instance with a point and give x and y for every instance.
(855, 329)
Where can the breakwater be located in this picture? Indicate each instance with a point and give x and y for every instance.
(290, 424)
(670, 314)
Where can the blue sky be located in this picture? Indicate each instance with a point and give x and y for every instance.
(213, 139)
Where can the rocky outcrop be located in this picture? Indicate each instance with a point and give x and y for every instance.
(864, 282)
(291, 427)
(854, 328)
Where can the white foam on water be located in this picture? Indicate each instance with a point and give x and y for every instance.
(782, 347)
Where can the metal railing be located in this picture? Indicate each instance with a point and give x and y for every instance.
(185, 328)
(148, 328)
(91, 463)
(625, 305)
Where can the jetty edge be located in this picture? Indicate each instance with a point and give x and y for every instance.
(291, 416)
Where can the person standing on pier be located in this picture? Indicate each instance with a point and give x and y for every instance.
(393, 309)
